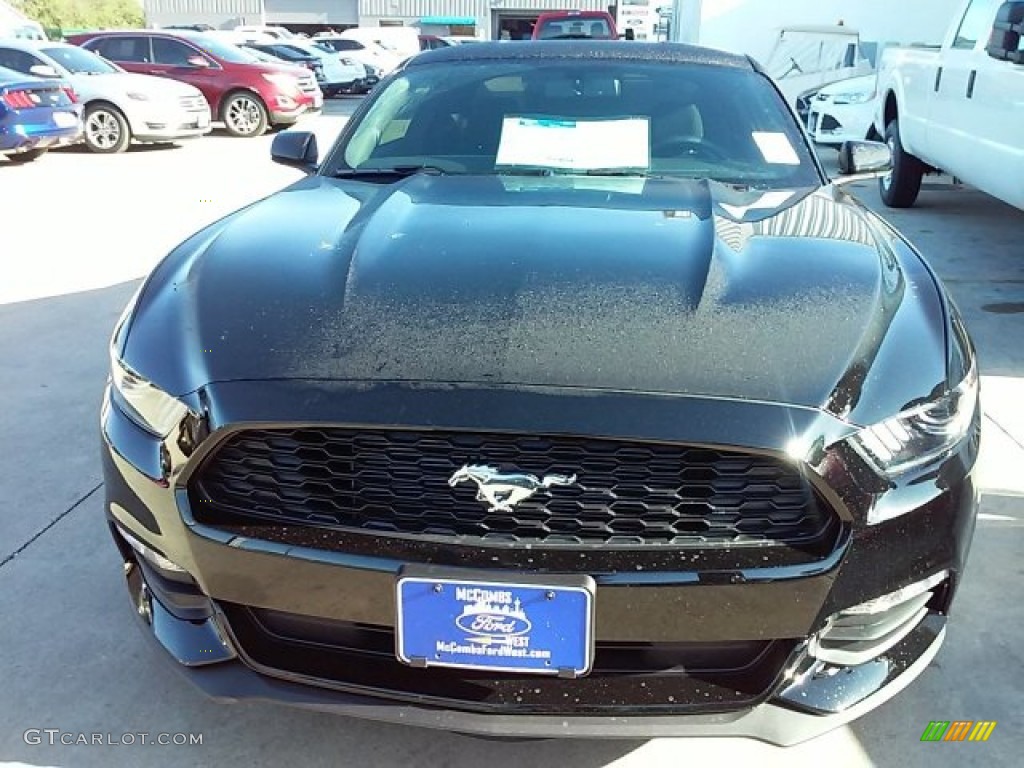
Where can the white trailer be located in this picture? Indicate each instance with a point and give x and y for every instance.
(751, 26)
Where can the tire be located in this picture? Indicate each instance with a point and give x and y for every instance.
(26, 157)
(106, 131)
(900, 188)
(244, 115)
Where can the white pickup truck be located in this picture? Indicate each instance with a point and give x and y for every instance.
(957, 108)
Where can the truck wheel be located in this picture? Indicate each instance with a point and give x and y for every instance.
(900, 187)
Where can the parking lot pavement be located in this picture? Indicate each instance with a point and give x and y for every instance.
(79, 230)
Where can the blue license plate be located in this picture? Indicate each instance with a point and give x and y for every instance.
(538, 625)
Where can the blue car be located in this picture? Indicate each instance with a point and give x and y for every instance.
(36, 115)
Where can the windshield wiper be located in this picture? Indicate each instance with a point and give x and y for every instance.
(525, 171)
(616, 172)
(394, 172)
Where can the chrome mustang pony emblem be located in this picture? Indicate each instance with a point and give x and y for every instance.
(503, 491)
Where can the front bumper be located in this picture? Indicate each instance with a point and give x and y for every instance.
(782, 695)
(831, 124)
(171, 126)
(813, 699)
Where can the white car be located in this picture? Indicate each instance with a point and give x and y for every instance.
(278, 33)
(366, 52)
(843, 111)
(341, 73)
(118, 106)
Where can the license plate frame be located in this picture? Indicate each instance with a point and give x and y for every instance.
(554, 612)
(65, 119)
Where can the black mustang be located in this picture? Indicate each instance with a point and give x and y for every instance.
(565, 396)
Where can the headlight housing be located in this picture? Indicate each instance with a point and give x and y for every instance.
(922, 434)
(146, 404)
(287, 82)
(861, 97)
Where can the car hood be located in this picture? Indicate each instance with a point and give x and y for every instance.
(864, 84)
(116, 84)
(683, 287)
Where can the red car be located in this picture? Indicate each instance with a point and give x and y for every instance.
(247, 94)
(575, 25)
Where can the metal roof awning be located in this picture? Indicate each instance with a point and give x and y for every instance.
(440, 21)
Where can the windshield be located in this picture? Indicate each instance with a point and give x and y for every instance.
(570, 28)
(79, 61)
(223, 51)
(803, 54)
(582, 116)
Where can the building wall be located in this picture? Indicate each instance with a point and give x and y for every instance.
(411, 12)
(312, 11)
(222, 14)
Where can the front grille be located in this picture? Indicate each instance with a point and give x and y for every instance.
(396, 483)
(628, 678)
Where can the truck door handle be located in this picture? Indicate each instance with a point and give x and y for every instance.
(156, 72)
(970, 83)
(938, 78)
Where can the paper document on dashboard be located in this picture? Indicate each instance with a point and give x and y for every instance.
(577, 145)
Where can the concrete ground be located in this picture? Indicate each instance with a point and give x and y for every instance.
(77, 231)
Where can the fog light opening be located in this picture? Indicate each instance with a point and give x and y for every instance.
(150, 555)
(865, 631)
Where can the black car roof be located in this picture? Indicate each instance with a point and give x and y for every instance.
(584, 49)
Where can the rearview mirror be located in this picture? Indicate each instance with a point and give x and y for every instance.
(1005, 41)
(296, 149)
(864, 159)
(43, 70)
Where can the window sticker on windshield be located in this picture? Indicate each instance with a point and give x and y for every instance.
(775, 148)
(575, 145)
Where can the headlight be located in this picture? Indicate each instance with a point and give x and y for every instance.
(921, 434)
(137, 96)
(282, 80)
(145, 403)
(862, 97)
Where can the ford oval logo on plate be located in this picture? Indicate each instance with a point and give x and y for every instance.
(497, 624)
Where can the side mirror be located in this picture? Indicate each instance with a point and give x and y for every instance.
(296, 149)
(864, 159)
(1005, 41)
(630, 34)
(198, 61)
(43, 70)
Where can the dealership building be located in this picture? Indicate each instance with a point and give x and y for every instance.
(480, 18)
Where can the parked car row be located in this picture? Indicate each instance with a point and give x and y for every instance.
(108, 89)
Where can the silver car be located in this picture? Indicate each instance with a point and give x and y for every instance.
(119, 106)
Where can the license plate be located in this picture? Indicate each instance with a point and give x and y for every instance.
(537, 625)
(64, 119)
